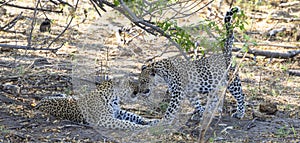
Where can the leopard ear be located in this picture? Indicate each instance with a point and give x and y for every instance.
(152, 72)
(144, 67)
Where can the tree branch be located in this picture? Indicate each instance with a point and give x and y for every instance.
(132, 17)
(56, 38)
(33, 23)
(29, 8)
(140, 22)
(12, 23)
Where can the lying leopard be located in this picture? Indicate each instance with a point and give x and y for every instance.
(185, 78)
(100, 108)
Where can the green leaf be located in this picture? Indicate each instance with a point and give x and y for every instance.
(116, 3)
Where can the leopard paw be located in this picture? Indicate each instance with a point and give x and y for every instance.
(238, 115)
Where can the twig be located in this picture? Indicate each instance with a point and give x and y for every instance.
(99, 3)
(56, 38)
(143, 24)
(12, 23)
(270, 54)
(186, 15)
(30, 8)
(95, 7)
(65, 3)
(33, 23)
(159, 55)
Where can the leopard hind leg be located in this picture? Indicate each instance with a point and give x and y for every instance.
(235, 88)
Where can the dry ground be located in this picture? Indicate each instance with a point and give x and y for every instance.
(273, 96)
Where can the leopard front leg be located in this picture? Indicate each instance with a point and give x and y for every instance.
(126, 115)
(199, 109)
(174, 105)
(235, 88)
(110, 122)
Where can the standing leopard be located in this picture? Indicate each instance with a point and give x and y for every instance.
(185, 78)
(100, 108)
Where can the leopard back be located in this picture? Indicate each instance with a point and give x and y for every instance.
(61, 107)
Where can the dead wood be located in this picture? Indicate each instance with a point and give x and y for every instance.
(293, 3)
(54, 50)
(274, 18)
(271, 54)
(294, 72)
(275, 31)
(269, 44)
(29, 8)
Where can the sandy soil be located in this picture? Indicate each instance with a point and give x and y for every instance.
(273, 96)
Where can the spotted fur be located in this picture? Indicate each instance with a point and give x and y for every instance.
(100, 108)
(185, 78)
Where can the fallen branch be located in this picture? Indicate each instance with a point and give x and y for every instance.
(270, 54)
(275, 31)
(29, 8)
(15, 32)
(289, 4)
(294, 72)
(269, 44)
(274, 18)
(29, 48)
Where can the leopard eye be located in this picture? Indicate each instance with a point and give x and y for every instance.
(144, 67)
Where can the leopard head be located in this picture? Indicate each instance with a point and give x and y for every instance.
(146, 80)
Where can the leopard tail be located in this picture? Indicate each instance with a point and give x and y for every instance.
(229, 32)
